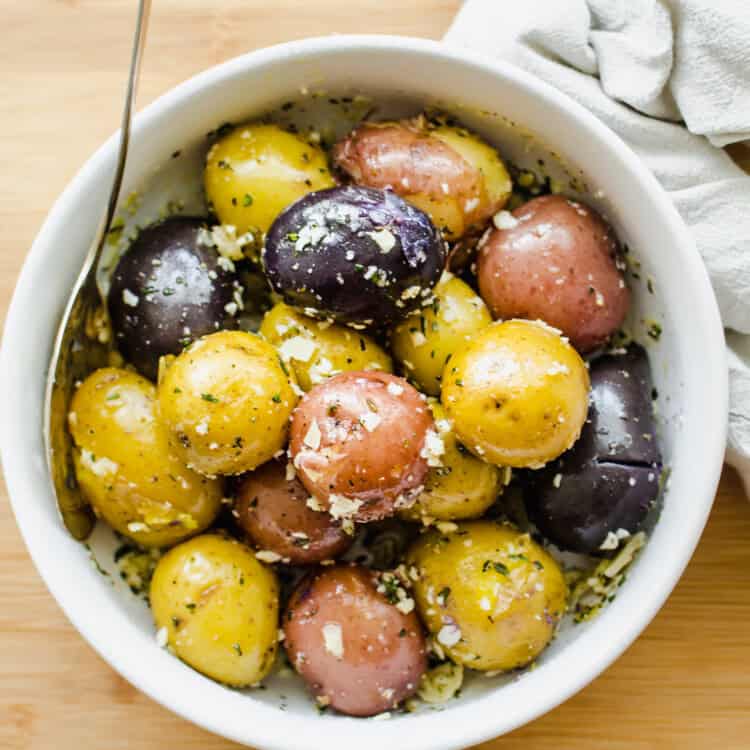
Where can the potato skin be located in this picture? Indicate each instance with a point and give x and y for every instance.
(271, 166)
(125, 467)
(517, 395)
(220, 607)
(463, 487)
(427, 338)
(318, 349)
(492, 587)
(559, 263)
(448, 172)
(166, 290)
(226, 402)
(273, 512)
(355, 255)
(380, 657)
(361, 436)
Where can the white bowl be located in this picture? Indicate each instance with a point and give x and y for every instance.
(688, 364)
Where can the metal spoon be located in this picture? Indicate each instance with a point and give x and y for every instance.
(81, 340)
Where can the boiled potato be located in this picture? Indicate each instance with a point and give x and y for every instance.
(462, 487)
(447, 171)
(219, 606)
(226, 402)
(559, 260)
(257, 170)
(490, 596)
(517, 395)
(125, 467)
(361, 444)
(317, 350)
(424, 342)
(358, 651)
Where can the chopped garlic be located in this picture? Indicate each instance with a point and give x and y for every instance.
(333, 639)
(298, 348)
(504, 220)
(101, 466)
(268, 556)
(369, 420)
(130, 299)
(312, 438)
(394, 389)
(449, 635)
(433, 448)
(343, 507)
(384, 239)
(405, 606)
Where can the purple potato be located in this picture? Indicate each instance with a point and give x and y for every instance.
(358, 255)
(609, 480)
(167, 290)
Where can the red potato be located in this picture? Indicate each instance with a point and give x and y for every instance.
(272, 511)
(359, 443)
(447, 171)
(556, 260)
(357, 652)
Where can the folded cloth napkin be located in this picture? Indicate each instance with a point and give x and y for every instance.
(672, 78)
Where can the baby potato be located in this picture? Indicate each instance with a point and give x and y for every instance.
(447, 171)
(357, 650)
(517, 395)
(316, 350)
(219, 607)
(424, 342)
(558, 260)
(226, 402)
(272, 510)
(257, 170)
(490, 596)
(361, 443)
(125, 467)
(463, 487)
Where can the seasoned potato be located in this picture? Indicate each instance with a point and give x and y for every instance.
(256, 171)
(272, 510)
(489, 595)
(355, 255)
(125, 467)
(226, 401)
(448, 172)
(220, 608)
(361, 443)
(557, 260)
(517, 395)
(463, 487)
(424, 341)
(358, 652)
(317, 350)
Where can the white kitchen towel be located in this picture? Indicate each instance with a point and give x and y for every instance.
(672, 78)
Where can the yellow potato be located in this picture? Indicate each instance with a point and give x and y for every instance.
(220, 608)
(226, 402)
(425, 340)
(256, 171)
(490, 596)
(463, 487)
(485, 159)
(517, 395)
(125, 467)
(316, 350)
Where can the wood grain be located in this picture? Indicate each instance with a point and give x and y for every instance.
(684, 684)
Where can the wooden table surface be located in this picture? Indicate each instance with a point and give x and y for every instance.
(684, 684)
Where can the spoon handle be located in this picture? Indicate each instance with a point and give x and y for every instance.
(76, 350)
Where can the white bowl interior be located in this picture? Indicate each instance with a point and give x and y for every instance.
(691, 383)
